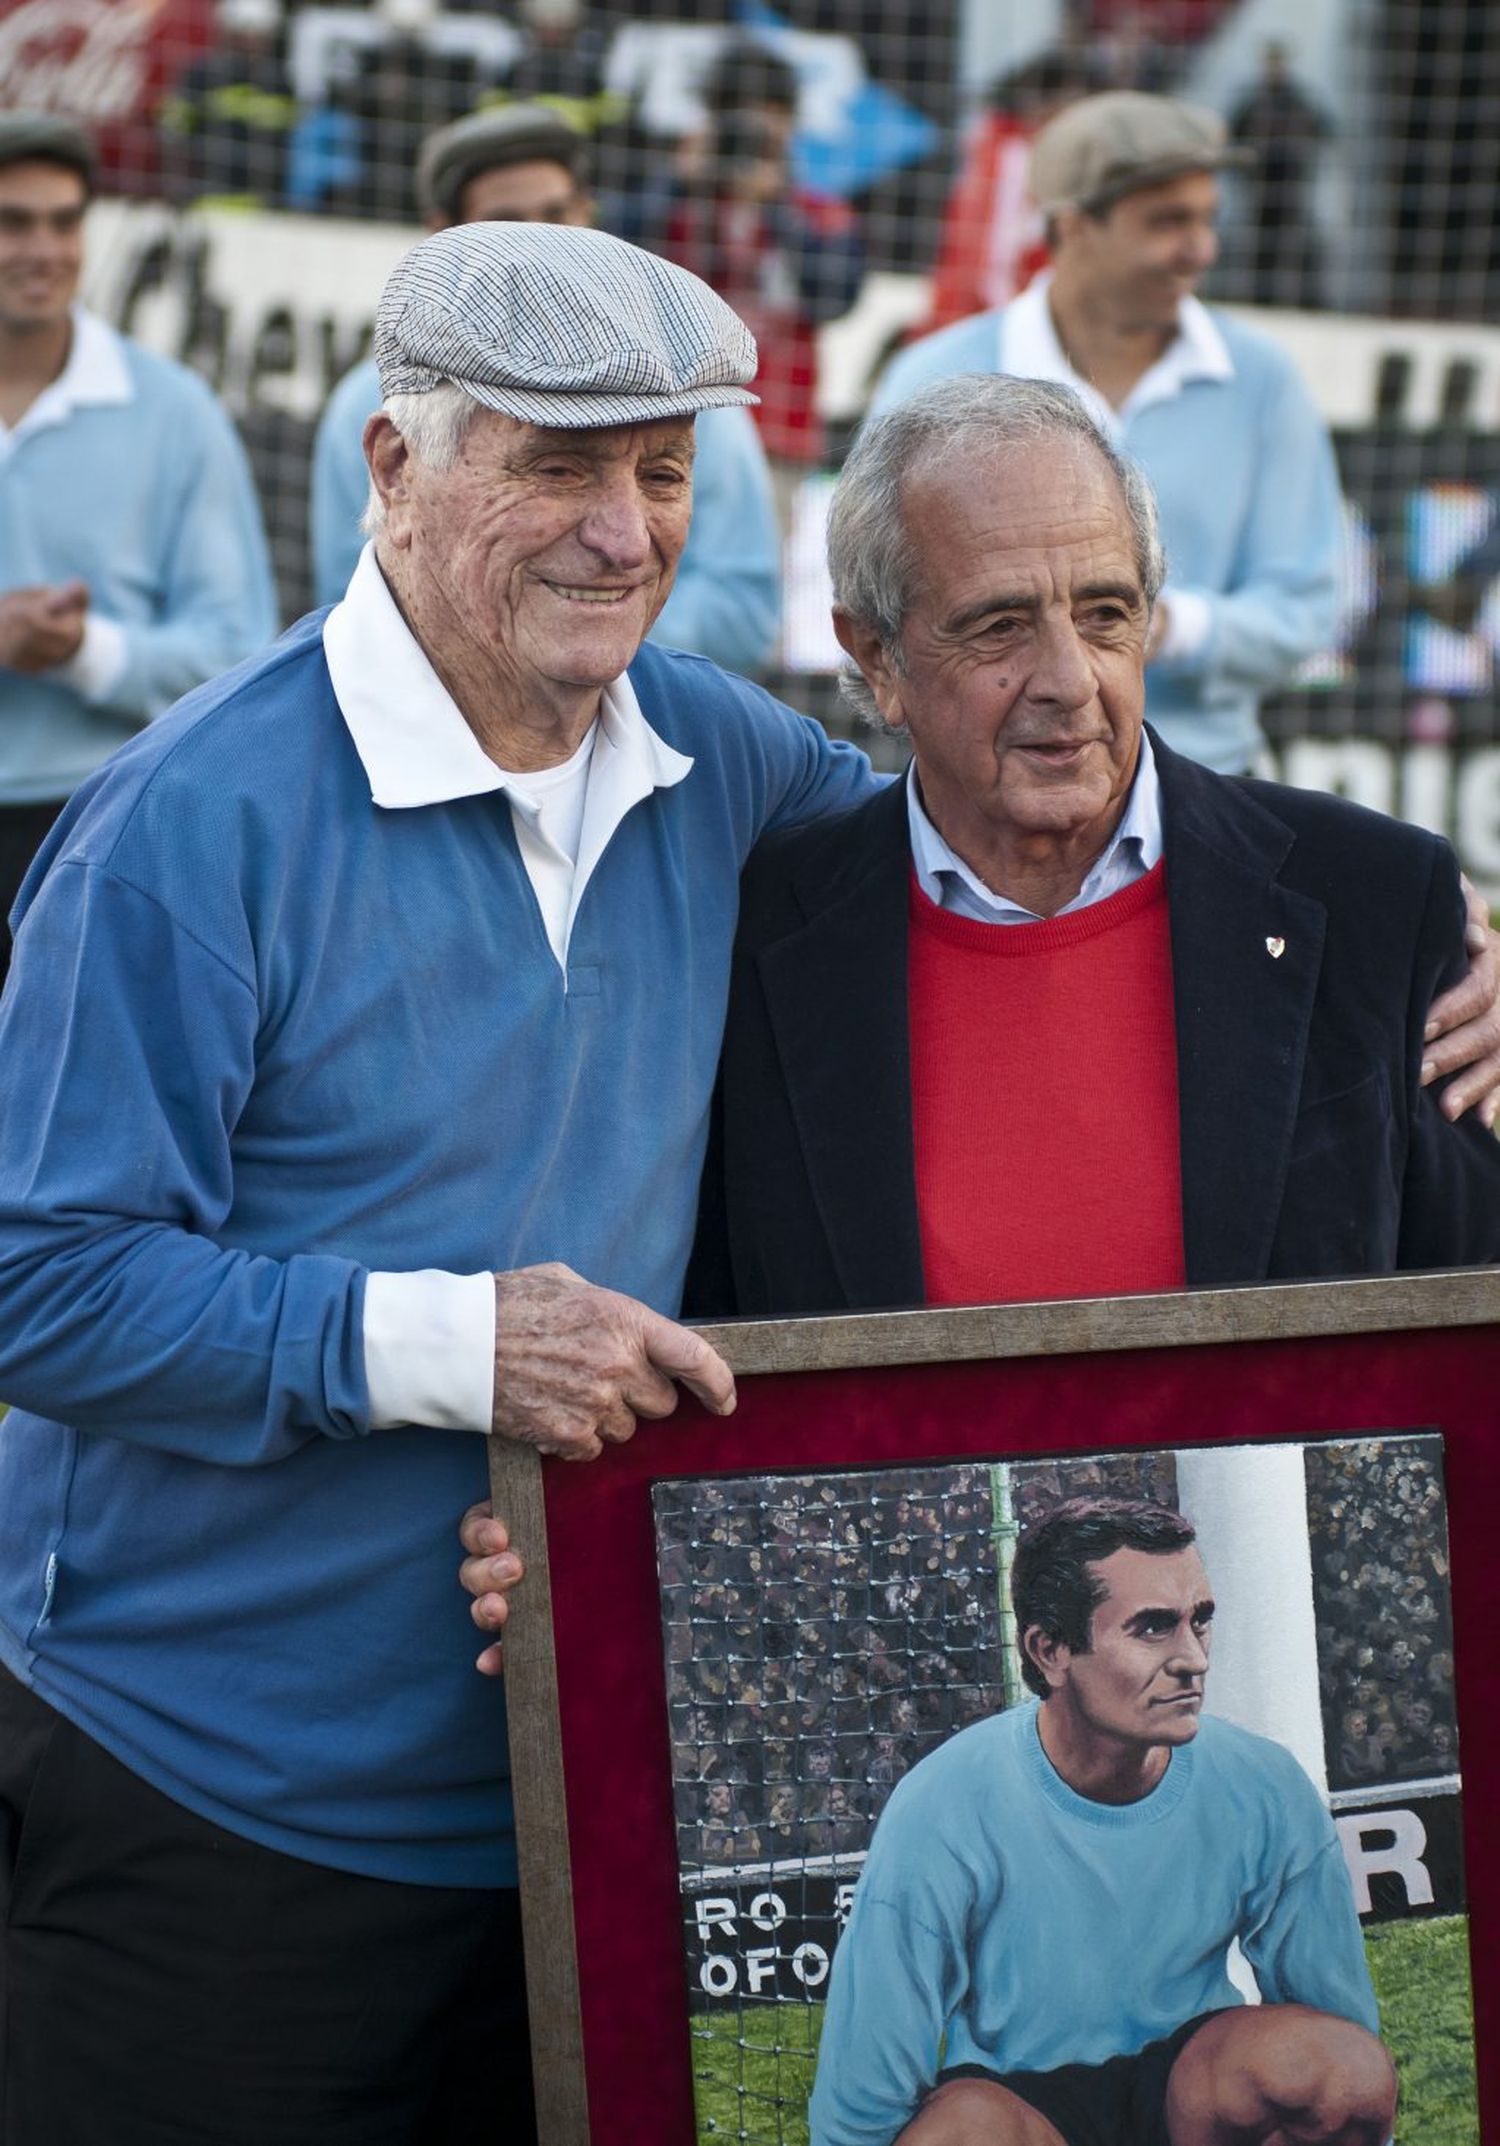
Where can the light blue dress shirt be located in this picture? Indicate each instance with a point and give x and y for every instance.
(125, 474)
(1133, 850)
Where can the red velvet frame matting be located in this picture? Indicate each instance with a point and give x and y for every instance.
(607, 1626)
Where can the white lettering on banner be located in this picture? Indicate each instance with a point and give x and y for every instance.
(1399, 1837)
(321, 274)
(1356, 768)
(768, 1911)
(662, 67)
(272, 310)
(1455, 792)
(843, 1901)
(1426, 773)
(718, 1975)
(717, 1914)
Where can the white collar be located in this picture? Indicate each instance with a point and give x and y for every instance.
(96, 373)
(1140, 825)
(412, 741)
(1029, 348)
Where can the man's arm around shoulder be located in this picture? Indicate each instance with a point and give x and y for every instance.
(1450, 1213)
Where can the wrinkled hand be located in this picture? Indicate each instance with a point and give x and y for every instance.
(1463, 1028)
(491, 1569)
(42, 627)
(575, 1365)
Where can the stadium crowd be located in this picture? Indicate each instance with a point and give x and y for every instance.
(1379, 1539)
(822, 1634)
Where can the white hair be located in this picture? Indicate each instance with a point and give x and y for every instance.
(869, 555)
(434, 426)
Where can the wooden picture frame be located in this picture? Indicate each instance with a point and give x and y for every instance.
(584, 1669)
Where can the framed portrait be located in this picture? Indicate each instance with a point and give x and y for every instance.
(754, 1658)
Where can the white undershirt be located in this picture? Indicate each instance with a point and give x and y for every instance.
(546, 810)
(429, 1336)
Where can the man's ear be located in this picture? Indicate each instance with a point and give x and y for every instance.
(1051, 1656)
(868, 650)
(389, 459)
(1062, 222)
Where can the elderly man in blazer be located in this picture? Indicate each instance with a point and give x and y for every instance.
(1063, 1013)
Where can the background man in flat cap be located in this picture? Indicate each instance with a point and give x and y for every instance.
(402, 956)
(1215, 415)
(133, 563)
(524, 163)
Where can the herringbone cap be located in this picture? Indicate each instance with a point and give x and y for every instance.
(559, 326)
(1107, 146)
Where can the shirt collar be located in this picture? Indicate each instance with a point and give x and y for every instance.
(1029, 348)
(1139, 828)
(96, 373)
(414, 744)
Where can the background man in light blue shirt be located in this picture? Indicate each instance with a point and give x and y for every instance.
(1215, 414)
(133, 563)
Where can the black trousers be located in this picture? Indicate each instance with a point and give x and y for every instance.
(165, 1983)
(23, 829)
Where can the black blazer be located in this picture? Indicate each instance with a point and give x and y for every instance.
(1308, 1145)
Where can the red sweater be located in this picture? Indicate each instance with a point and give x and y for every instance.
(1044, 1101)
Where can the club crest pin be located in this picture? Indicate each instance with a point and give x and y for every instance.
(1275, 948)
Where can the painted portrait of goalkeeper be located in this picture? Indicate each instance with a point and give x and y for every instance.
(1038, 1947)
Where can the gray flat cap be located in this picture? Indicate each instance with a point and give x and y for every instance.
(48, 138)
(486, 141)
(559, 326)
(1104, 147)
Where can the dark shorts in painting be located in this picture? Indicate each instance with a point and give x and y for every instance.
(1122, 2102)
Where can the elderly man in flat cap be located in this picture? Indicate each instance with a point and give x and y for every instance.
(524, 163)
(363, 1005)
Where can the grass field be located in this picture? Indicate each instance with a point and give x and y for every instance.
(1421, 1976)
(754, 2071)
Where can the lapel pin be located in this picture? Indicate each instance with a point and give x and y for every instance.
(1275, 948)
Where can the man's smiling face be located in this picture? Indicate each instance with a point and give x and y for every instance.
(546, 555)
(41, 244)
(1139, 259)
(1021, 673)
